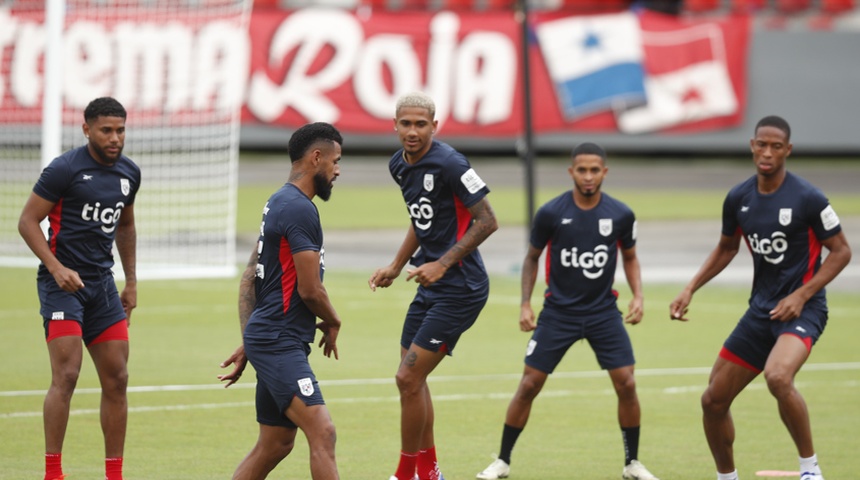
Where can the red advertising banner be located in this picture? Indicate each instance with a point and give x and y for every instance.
(629, 72)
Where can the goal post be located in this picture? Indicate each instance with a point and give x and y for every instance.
(179, 67)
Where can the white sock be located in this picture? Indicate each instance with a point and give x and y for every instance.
(810, 465)
(727, 476)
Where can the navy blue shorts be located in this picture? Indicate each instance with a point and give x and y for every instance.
(283, 372)
(96, 306)
(557, 331)
(755, 334)
(435, 320)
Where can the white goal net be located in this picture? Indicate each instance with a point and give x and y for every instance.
(179, 67)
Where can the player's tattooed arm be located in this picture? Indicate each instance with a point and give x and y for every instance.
(485, 223)
(247, 294)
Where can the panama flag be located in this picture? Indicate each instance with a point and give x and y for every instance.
(687, 78)
(595, 62)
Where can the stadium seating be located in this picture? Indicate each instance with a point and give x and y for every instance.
(775, 14)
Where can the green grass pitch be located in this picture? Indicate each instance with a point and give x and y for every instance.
(182, 425)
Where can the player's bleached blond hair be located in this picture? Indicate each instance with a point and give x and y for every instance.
(418, 100)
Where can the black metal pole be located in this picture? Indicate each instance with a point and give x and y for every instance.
(526, 147)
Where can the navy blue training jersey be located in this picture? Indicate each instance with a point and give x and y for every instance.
(783, 231)
(89, 198)
(438, 191)
(582, 251)
(291, 224)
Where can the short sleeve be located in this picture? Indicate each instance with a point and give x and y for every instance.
(628, 230)
(542, 228)
(465, 181)
(303, 231)
(54, 181)
(821, 216)
(730, 219)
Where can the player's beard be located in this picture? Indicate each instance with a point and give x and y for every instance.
(323, 186)
(589, 193)
(103, 156)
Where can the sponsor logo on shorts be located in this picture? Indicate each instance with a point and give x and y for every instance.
(58, 316)
(435, 342)
(306, 386)
(531, 347)
(800, 329)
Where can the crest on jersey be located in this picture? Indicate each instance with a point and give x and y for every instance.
(125, 186)
(306, 386)
(604, 226)
(428, 182)
(784, 216)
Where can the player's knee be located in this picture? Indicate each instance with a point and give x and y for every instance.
(779, 381)
(283, 448)
(626, 387)
(65, 379)
(407, 383)
(714, 404)
(529, 389)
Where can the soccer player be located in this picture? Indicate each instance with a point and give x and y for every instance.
(784, 221)
(582, 230)
(281, 294)
(88, 196)
(450, 217)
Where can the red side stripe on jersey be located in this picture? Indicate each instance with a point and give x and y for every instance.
(464, 219)
(727, 355)
(54, 217)
(814, 254)
(288, 273)
(746, 240)
(548, 265)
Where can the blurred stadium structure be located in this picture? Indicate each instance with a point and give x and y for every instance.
(795, 64)
(201, 78)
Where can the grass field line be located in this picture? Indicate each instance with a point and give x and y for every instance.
(644, 372)
(505, 396)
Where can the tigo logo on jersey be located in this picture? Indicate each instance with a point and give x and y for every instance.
(107, 216)
(777, 243)
(570, 257)
(306, 386)
(421, 213)
(58, 316)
